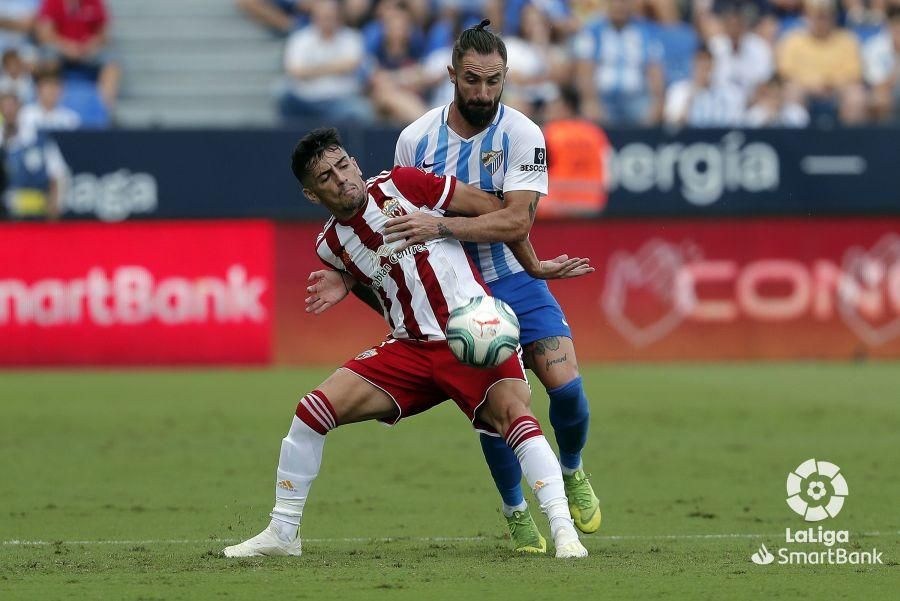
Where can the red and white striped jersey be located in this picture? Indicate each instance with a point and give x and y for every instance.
(419, 286)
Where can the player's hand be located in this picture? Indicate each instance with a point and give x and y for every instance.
(327, 288)
(562, 267)
(415, 228)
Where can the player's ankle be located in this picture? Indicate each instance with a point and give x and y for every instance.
(570, 471)
(508, 510)
(285, 531)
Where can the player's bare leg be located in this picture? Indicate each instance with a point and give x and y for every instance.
(553, 361)
(341, 399)
(507, 410)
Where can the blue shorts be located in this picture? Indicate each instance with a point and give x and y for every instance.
(540, 316)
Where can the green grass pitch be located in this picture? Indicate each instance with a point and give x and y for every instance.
(133, 480)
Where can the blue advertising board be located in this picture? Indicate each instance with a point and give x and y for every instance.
(246, 173)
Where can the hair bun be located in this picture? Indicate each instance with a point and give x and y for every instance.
(484, 23)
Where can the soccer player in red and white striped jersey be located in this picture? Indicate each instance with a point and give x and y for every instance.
(414, 369)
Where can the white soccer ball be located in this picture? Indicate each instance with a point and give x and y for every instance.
(483, 333)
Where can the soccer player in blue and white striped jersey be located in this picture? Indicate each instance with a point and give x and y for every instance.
(484, 143)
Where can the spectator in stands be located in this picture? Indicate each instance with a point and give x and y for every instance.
(704, 101)
(881, 58)
(16, 24)
(558, 14)
(578, 153)
(34, 168)
(322, 62)
(16, 76)
(678, 39)
(435, 77)
(47, 114)
(281, 16)
(77, 31)
(780, 17)
(535, 64)
(619, 69)
(773, 109)
(396, 80)
(452, 16)
(821, 65)
(742, 57)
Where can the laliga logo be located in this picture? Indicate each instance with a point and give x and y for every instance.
(816, 490)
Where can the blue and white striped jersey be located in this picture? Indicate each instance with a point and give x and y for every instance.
(621, 56)
(510, 154)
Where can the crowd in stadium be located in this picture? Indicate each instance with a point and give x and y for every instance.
(700, 63)
(623, 63)
(57, 64)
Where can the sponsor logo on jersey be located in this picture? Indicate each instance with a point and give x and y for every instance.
(540, 156)
(492, 160)
(541, 168)
(366, 354)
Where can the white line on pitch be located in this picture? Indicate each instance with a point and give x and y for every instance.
(388, 539)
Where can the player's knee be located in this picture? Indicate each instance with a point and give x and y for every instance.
(507, 402)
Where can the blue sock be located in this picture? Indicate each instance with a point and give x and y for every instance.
(505, 469)
(569, 416)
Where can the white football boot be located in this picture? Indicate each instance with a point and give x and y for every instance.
(265, 544)
(567, 544)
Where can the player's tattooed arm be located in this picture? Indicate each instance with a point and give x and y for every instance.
(485, 218)
(444, 231)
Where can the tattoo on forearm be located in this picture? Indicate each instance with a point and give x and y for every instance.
(532, 208)
(556, 361)
(444, 231)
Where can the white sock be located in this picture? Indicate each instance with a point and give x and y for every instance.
(508, 510)
(542, 472)
(298, 466)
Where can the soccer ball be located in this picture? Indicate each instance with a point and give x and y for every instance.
(483, 333)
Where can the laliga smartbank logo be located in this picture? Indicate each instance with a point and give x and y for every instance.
(816, 491)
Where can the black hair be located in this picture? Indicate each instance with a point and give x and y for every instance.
(479, 39)
(310, 149)
(893, 11)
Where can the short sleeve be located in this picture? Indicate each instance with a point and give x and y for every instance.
(49, 11)
(424, 189)
(655, 51)
(878, 61)
(583, 46)
(404, 153)
(56, 165)
(527, 164)
(326, 255)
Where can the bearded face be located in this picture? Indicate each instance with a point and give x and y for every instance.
(479, 86)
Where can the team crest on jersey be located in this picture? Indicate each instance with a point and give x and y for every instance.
(492, 160)
(366, 354)
(391, 208)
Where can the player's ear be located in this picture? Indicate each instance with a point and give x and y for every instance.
(311, 195)
(452, 73)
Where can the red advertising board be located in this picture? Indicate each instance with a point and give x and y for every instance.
(136, 293)
(671, 290)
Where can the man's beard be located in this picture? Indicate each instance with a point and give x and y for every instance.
(477, 115)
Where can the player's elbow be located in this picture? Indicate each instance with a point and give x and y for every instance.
(519, 228)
